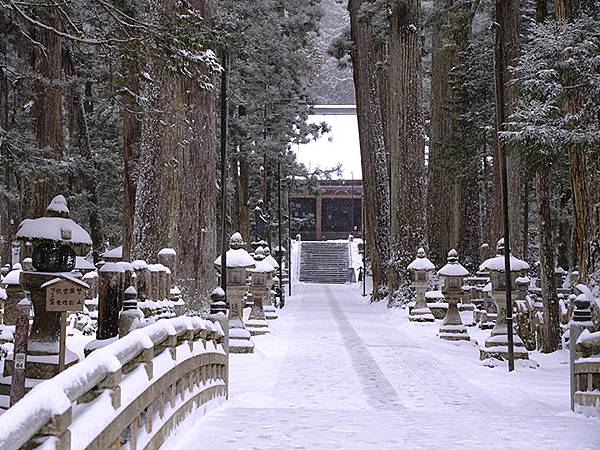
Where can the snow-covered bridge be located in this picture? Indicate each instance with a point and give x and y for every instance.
(133, 392)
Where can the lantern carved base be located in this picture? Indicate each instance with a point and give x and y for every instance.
(270, 310)
(496, 346)
(420, 312)
(452, 328)
(257, 322)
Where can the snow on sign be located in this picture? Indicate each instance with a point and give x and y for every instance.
(65, 294)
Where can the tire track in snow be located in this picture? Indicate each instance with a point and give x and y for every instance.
(375, 385)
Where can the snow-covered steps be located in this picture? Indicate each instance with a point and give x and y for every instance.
(324, 262)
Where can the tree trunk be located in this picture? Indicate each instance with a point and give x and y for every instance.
(508, 19)
(131, 139)
(551, 335)
(243, 199)
(405, 140)
(440, 192)
(373, 153)
(175, 201)
(577, 167)
(48, 113)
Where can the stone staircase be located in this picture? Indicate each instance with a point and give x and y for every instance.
(323, 262)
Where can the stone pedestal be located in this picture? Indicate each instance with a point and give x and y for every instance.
(496, 346)
(420, 312)
(239, 337)
(44, 337)
(257, 322)
(452, 328)
(268, 307)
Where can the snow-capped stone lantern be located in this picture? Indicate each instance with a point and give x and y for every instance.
(262, 279)
(238, 262)
(559, 277)
(452, 274)
(419, 271)
(496, 346)
(55, 241)
(217, 301)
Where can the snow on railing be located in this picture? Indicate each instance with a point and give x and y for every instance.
(586, 398)
(47, 409)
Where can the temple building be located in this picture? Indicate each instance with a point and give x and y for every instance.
(333, 212)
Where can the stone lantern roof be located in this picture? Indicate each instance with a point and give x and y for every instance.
(237, 257)
(56, 227)
(496, 263)
(262, 266)
(12, 277)
(421, 262)
(453, 268)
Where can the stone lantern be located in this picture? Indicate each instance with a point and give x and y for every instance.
(262, 279)
(452, 274)
(268, 306)
(14, 294)
(238, 262)
(559, 277)
(55, 241)
(217, 301)
(496, 346)
(419, 271)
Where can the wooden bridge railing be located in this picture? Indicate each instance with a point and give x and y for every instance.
(133, 392)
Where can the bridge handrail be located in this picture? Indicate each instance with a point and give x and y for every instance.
(53, 398)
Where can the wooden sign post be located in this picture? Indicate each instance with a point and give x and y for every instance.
(17, 386)
(64, 295)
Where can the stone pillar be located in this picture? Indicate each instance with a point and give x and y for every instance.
(109, 301)
(582, 320)
(217, 302)
(452, 328)
(154, 291)
(257, 321)
(44, 337)
(131, 317)
(496, 346)
(420, 312)
(239, 336)
(14, 294)
(142, 279)
(168, 258)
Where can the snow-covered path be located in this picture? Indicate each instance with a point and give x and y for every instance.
(338, 373)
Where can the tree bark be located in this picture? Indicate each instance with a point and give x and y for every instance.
(176, 197)
(577, 167)
(551, 335)
(508, 19)
(374, 160)
(405, 140)
(47, 112)
(131, 139)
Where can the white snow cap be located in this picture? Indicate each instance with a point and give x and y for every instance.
(2, 294)
(236, 238)
(83, 264)
(421, 262)
(497, 264)
(139, 264)
(218, 291)
(12, 278)
(58, 205)
(167, 251)
(237, 258)
(115, 253)
(453, 268)
(130, 291)
(111, 267)
(17, 266)
(58, 229)
(262, 266)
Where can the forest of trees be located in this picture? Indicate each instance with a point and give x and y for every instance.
(115, 105)
(520, 77)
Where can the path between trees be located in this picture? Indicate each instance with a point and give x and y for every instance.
(338, 373)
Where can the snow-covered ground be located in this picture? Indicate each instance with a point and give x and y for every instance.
(339, 373)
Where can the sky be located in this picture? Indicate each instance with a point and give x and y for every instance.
(339, 146)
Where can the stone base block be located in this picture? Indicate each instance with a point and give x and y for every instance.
(421, 315)
(271, 312)
(257, 327)
(239, 333)
(496, 347)
(241, 346)
(454, 333)
(438, 310)
(466, 307)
